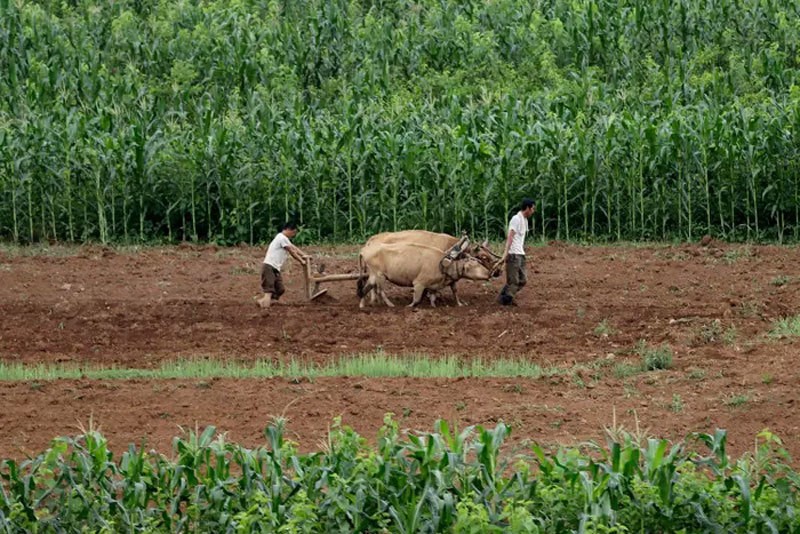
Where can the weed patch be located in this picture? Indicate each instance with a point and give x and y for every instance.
(654, 358)
(786, 327)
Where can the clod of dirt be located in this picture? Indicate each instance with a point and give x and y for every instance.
(705, 240)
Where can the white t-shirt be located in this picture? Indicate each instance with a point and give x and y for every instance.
(520, 226)
(276, 253)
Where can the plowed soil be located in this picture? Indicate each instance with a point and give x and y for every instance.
(585, 311)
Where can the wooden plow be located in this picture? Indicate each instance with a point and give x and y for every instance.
(314, 279)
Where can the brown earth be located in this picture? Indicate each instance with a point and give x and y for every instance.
(584, 311)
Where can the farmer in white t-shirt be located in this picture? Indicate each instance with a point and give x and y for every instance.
(514, 254)
(279, 249)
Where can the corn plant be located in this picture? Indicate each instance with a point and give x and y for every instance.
(449, 479)
(137, 121)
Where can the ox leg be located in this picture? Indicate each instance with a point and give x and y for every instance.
(459, 302)
(419, 290)
(381, 283)
(386, 299)
(432, 296)
(363, 300)
(369, 287)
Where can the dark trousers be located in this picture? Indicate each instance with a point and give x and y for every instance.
(271, 281)
(515, 277)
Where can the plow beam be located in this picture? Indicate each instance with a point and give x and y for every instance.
(313, 281)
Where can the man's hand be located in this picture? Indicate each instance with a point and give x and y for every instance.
(301, 257)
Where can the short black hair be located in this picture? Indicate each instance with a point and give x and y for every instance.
(527, 203)
(289, 225)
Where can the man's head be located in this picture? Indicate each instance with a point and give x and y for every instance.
(289, 229)
(527, 207)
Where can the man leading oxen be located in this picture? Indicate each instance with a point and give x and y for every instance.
(404, 262)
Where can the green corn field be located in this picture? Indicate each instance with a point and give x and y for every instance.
(143, 120)
(450, 480)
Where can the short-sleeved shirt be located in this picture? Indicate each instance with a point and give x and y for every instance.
(276, 253)
(520, 226)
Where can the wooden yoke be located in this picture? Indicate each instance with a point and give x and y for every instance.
(457, 249)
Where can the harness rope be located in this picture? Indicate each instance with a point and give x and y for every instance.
(445, 269)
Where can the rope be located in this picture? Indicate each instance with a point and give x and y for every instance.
(445, 270)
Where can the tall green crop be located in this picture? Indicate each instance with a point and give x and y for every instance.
(136, 121)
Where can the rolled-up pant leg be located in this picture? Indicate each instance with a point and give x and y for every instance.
(272, 281)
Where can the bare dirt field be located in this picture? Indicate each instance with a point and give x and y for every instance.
(584, 311)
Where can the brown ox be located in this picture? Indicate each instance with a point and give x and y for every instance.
(444, 242)
(422, 267)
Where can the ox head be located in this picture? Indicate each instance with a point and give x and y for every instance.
(473, 269)
(465, 267)
(486, 257)
(459, 262)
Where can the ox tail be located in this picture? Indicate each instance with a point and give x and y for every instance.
(362, 280)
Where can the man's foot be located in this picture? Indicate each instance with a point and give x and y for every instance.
(265, 301)
(506, 300)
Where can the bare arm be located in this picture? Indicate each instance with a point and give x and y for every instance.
(298, 254)
(511, 234)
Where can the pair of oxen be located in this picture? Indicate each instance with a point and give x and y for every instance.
(426, 261)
